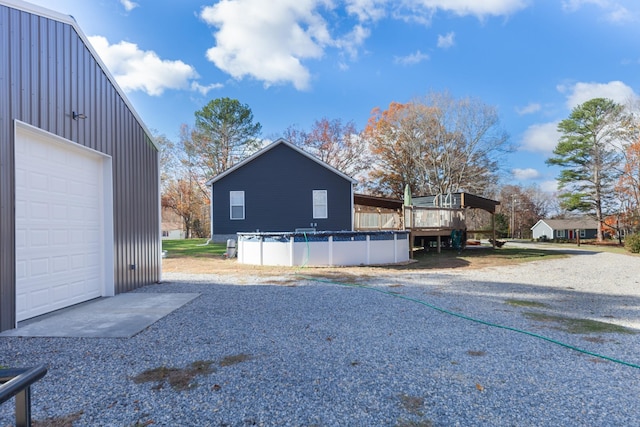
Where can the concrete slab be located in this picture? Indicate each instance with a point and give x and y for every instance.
(121, 316)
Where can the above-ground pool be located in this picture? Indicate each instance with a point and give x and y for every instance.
(324, 248)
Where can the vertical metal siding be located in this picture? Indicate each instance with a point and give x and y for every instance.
(7, 227)
(46, 73)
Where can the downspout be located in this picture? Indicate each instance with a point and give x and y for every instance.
(159, 254)
(211, 215)
(352, 206)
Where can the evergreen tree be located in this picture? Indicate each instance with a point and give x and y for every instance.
(589, 156)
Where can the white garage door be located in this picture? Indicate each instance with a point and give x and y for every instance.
(61, 224)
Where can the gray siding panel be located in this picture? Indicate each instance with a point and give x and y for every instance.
(46, 73)
(7, 227)
(278, 189)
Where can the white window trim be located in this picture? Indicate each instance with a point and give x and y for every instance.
(583, 232)
(232, 205)
(560, 233)
(317, 213)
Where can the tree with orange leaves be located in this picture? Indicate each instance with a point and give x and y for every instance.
(628, 187)
(437, 145)
(184, 197)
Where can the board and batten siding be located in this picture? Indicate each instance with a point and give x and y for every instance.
(46, 73)
(278, 186)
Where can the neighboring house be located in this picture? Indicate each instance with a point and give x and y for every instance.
(79, 199)
(172, 225)
(568, 229)
(280, 188)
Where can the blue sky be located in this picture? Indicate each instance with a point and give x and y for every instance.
(297, 61)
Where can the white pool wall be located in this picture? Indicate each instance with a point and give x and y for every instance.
(339, 248)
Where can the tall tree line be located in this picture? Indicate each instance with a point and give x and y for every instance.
(436, 144)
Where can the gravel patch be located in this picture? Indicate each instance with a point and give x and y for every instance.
(290, 351)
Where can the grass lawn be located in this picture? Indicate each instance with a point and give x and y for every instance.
(184, 248)
(193, 256)
(478, 257)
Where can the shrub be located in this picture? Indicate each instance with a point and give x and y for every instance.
(632, 243)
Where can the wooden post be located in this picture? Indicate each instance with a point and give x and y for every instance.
(411, 244)
(493, 230)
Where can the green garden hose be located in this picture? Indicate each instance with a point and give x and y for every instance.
(483, 322)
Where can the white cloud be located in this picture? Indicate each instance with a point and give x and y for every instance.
(541, 138)
(353, 40)
(529, 109)
(411, 59)
(477, 8)
(581, 92)
(273, 42)
(525, 174)
(574, 5)
(446, 41)
(204, 90)
(549, 186)
(136, 69)
(614, 11)
(267, 40)
(129, 5)
(367, 10)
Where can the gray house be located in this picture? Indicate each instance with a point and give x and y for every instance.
(280, 188)
(568, 229)
(79, 185)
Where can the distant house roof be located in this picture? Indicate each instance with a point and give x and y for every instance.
(270, 147)
(570, 224)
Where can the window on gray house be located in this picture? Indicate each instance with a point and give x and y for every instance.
(236, 204)
(320, 210)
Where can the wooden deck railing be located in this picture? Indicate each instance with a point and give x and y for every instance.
(377, 221)
(420, 218)
(415, 218)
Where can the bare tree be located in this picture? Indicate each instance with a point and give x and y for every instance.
(437, 145)
(336, 143)
(523, 207)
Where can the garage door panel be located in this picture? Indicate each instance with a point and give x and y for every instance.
(58, 185)
(38, 182)
(39, 298)
(60, 264)
(38, 267)
(60, 235)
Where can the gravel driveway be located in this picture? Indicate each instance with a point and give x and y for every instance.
(400, 352)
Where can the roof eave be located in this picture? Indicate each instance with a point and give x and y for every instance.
(270, 147)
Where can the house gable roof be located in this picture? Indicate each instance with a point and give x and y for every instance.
(68, 19)
(569, 224)
(271, 146)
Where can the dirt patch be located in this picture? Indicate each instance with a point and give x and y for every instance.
(64, 421)
(179, 379)
(471, 259)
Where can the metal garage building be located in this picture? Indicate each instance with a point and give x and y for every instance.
(79, 182)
